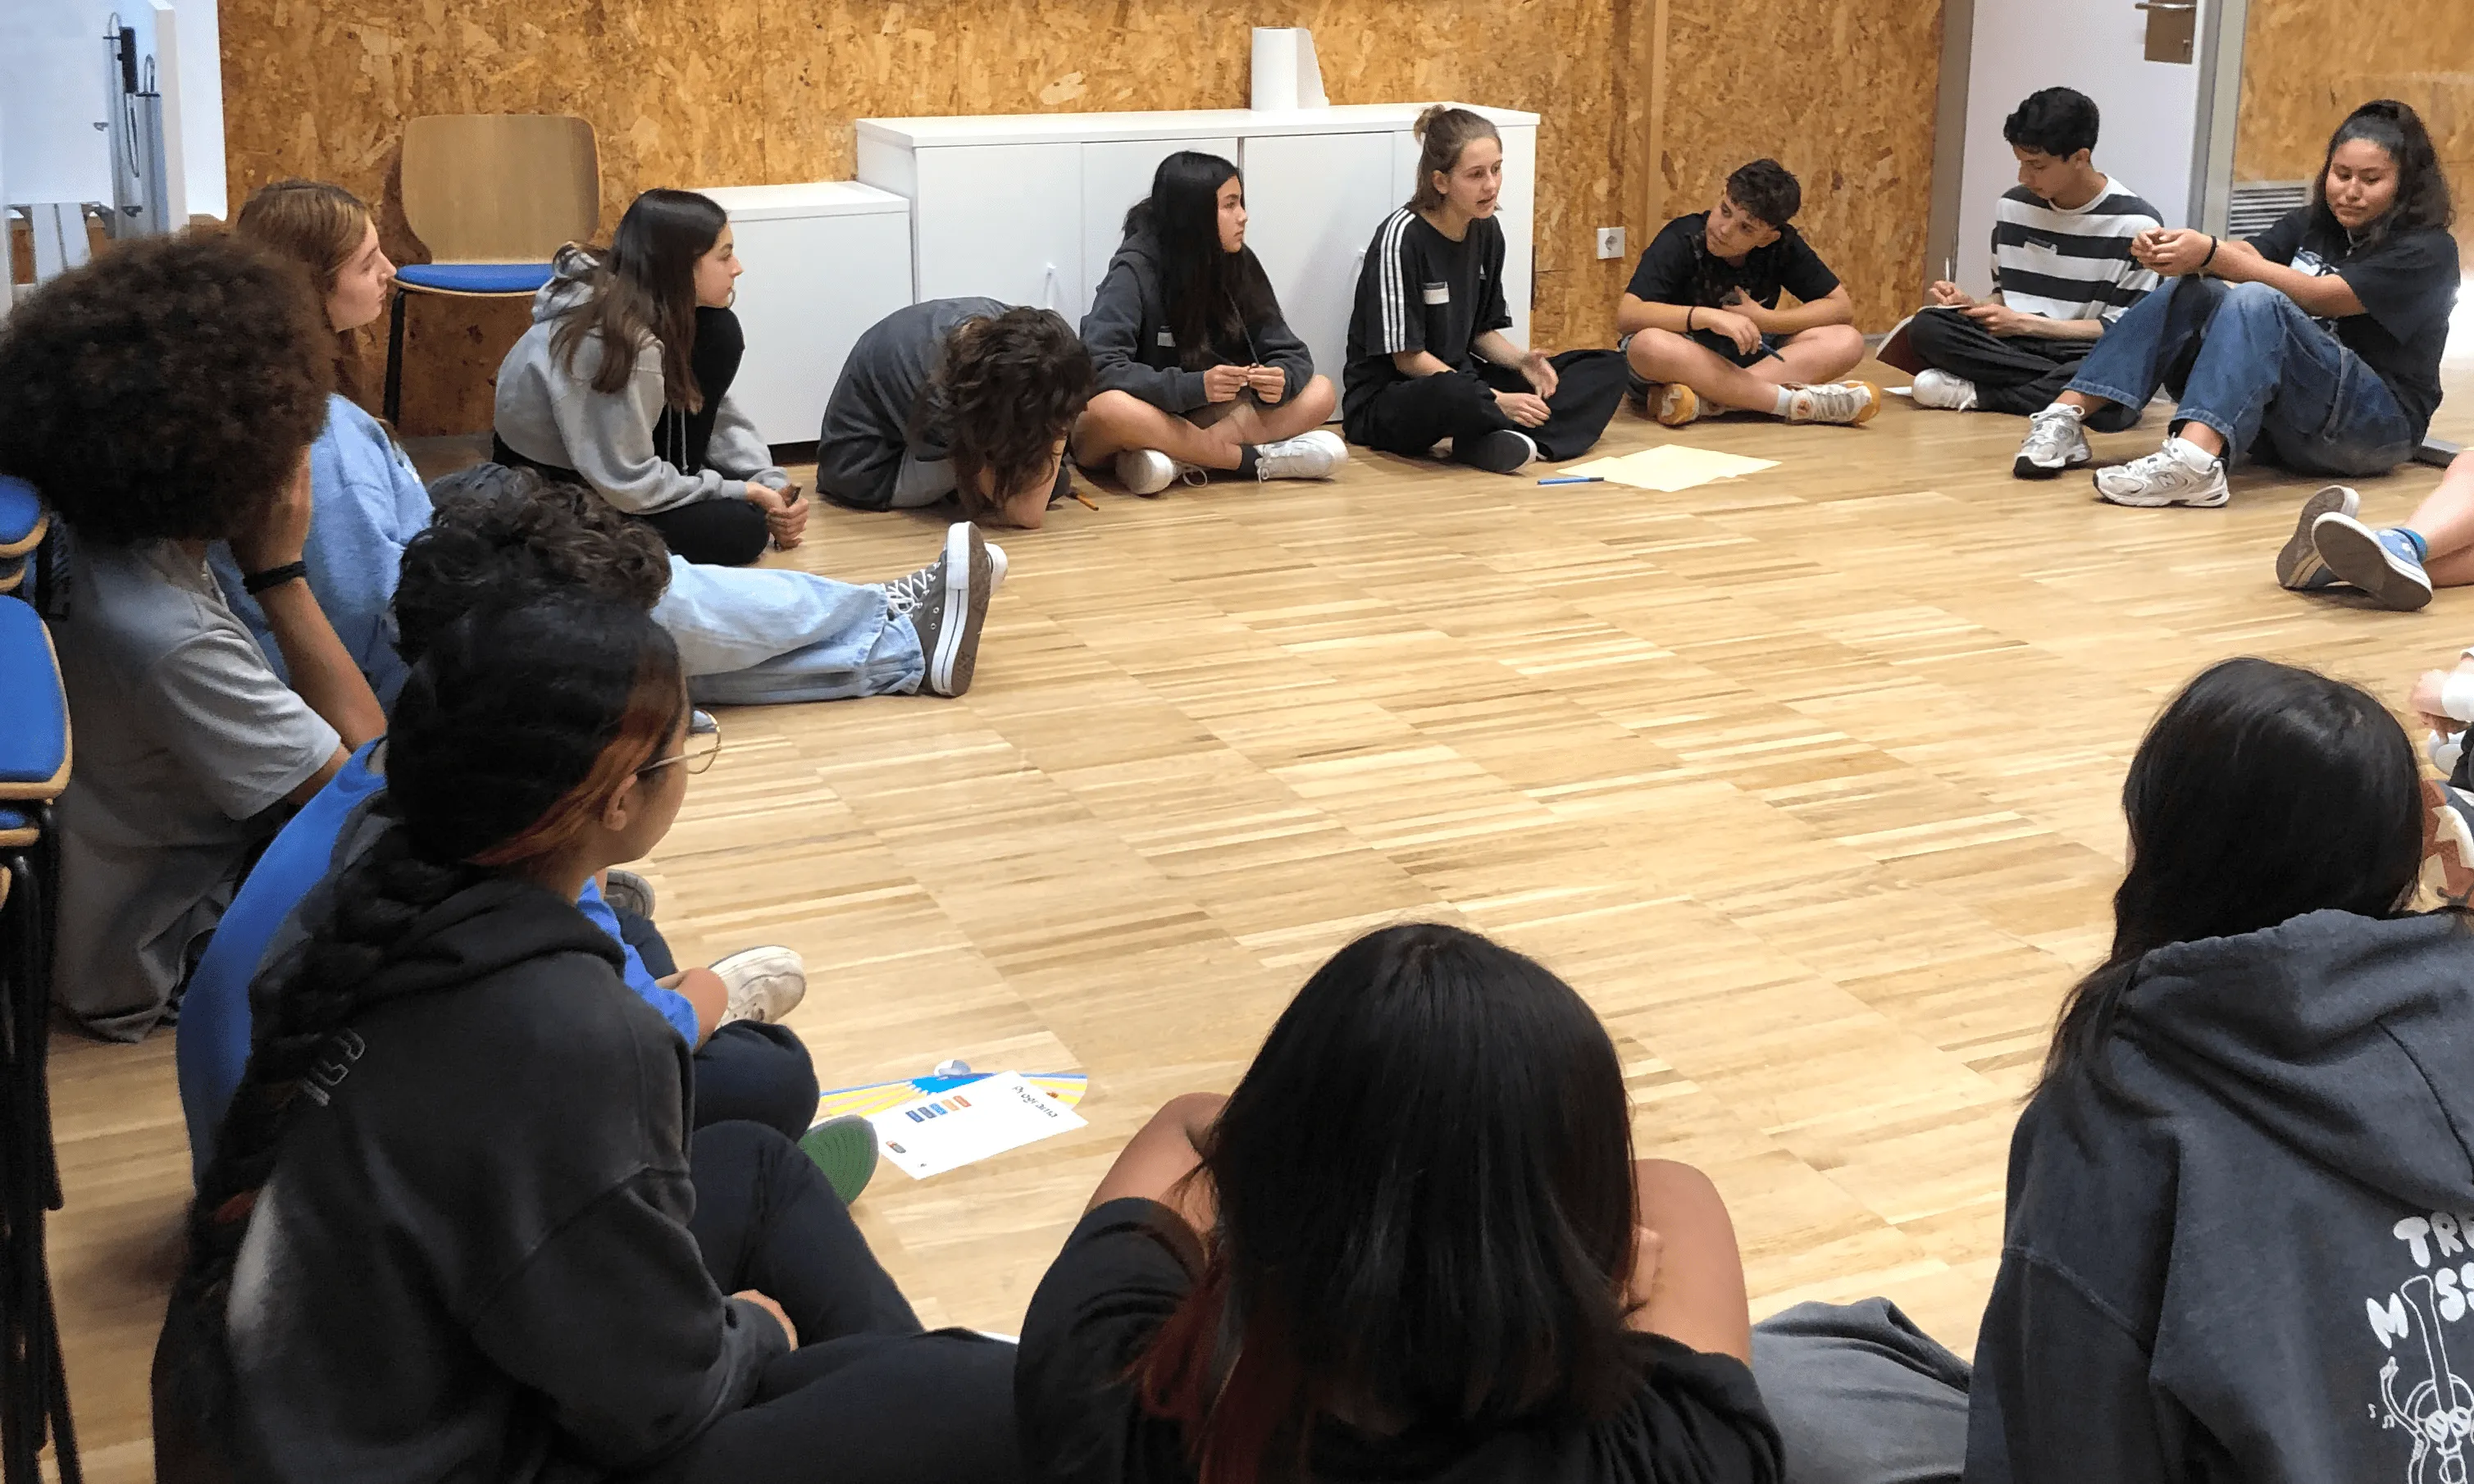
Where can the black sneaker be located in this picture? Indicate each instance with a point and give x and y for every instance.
(1502, 451)
(953, 608)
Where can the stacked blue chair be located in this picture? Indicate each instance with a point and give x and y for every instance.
(34, 770)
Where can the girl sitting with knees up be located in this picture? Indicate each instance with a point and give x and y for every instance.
(1414, 1243)
(1427, 355)
(458, 1158)
(1196, 370)
(623, 384)
(960, 399)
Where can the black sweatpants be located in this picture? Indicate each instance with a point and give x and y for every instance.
(744, 1070)
(2016, 373)
(1410, 417)
(868, 1398)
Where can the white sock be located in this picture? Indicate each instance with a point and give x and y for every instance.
(2189, 455)
(1785, 401)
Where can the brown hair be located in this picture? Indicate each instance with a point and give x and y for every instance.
(320, 227)
(644, 286)
(1444, 131)
(656, 706)
(1011, 386)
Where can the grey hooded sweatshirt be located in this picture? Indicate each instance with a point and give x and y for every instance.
(1134, 351)
(551, 415)
(2255, 1262)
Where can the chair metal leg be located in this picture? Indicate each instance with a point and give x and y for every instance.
(395, 360)
(33, 1381)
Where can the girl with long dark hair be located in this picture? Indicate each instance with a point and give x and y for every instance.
(1412, 1243)
(2235, 1244)
(2315, 345)
(1427, 355)
(1197, 368)
(454, 1226)
(622, 385)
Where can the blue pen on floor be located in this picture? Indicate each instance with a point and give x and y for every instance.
(1574, 479)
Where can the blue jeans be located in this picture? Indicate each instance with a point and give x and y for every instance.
(2247, 361)
(758, 635)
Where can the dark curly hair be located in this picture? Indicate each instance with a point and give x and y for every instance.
(1766, 191)
(2055, 121)
(165, 390)
(514, 727)
(1012, 386)
(2423, 199)
(507, 537)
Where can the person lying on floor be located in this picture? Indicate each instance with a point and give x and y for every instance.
(502, 540)
(2062, 271)
(2332, 548)
(1414, 1243)
(460, 1158)
(623, 384)
(1427, 355)
(749, 636)
(1196, 370)
(1701, 322)
(957, 399)
(2234, 1226)
(162, 399)
(2315, 345)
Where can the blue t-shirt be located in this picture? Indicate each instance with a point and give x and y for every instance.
(211, 1048)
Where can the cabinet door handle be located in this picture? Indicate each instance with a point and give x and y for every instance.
(1052, 284)
(2166, 4)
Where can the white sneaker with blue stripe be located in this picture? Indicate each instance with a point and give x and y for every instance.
(2386, 563)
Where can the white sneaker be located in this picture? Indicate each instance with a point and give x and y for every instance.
(1851, 402)
(2056, 440)
(1310, 456)
(1145, 470)
(2177, 474)
(764, 983)
(1940, 389)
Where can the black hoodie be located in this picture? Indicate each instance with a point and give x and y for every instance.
(2259, 1267)
(472, 1261)
(1135, 349)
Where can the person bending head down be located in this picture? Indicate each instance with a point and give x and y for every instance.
(1414, 1236)
(1009, 387)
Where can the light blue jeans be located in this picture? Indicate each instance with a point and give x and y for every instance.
(2247, 361)
(758, 635)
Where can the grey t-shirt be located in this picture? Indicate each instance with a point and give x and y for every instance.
(873, 420)
(185, 745)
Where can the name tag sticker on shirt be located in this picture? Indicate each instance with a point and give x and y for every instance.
(1439, 293)
(1168, 339)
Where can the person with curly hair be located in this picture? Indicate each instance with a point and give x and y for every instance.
(749, 636)
(457, 1225)
(623, 384)
(960, 398)
(504, 540)
(164, 399)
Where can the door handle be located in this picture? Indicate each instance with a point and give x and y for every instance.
(2166, 4)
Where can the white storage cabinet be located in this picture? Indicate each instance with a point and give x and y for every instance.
(825, 261)
(1028, 207)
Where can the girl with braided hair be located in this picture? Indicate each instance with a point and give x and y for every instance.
(451, 1228)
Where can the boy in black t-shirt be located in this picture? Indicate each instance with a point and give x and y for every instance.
(1701, 321)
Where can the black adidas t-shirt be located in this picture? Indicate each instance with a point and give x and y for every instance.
(1697, 1419)
(1421, 291)
(1678, 268)
(2408, 287)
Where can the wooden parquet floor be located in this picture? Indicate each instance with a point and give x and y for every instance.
(1808, 781)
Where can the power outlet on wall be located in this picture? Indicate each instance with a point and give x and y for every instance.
(1611, 242)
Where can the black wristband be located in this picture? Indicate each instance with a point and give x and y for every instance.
(258, 582)
(1688, 312)
(2212, 253)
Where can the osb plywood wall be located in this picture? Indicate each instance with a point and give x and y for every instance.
(718, 92)
(2307, 63)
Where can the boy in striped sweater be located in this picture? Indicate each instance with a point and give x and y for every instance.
(2062, 271)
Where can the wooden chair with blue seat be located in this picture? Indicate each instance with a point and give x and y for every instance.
(493, 197)
(34, 770)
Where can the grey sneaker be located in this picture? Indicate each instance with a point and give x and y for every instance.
(764, 983)
(953, 608)
(2382, 563)
(2056, 440)
(1851, 402)
(1935, 388)
(2165, 477)
(628, 893)
(2298, 567)
(902, 594)
(1310, 456)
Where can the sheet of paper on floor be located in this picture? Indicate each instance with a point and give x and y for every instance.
(945, 1130)
(1670, 467)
